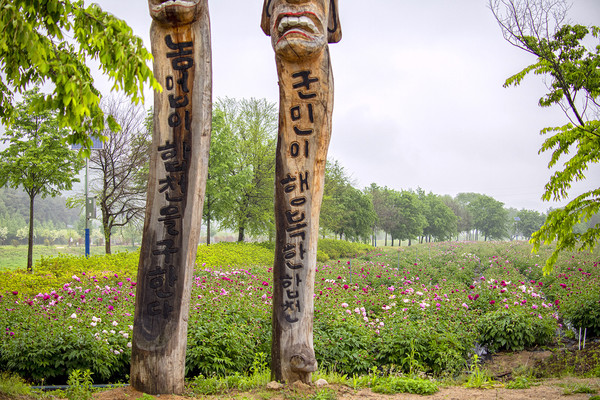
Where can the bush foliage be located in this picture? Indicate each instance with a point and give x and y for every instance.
(410, 309)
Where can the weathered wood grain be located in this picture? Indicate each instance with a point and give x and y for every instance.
(180, 36)
(300, 31)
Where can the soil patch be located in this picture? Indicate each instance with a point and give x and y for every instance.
(548, 390)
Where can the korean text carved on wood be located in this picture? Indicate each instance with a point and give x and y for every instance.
(300, 31)
(180, 36)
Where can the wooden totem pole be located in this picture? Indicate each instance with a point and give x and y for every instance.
(300, 31)
(180, 36)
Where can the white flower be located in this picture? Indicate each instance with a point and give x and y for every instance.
(93, 323)
(344, 305)
(74, 316)
(129, 344)
(115, 323)
(523, 288)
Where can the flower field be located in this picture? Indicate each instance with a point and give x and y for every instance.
(420, 308)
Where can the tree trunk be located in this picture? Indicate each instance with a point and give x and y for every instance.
(107, 231)
(386, 239)
(30, 239)
(180, 37)
(241, 235)
(208, 231)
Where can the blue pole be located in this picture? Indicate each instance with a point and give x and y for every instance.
(87, 242)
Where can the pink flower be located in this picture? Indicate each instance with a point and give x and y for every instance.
(492, 302)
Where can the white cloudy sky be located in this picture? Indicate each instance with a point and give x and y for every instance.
(419, 100)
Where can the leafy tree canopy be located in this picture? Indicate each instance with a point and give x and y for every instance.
(52, 41)
(37, 159)
(569, 57)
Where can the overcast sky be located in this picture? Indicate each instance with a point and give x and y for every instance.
(419, 100)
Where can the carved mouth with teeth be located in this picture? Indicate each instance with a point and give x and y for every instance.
(303, 24)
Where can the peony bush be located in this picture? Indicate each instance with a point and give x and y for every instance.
(412, 309)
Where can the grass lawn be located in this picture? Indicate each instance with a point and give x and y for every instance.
(12, 257)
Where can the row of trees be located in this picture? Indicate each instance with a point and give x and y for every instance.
(407, 215)
(34, 51)
(239, 195)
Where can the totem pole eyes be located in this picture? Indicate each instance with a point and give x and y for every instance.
(175, 12)
(301, 28)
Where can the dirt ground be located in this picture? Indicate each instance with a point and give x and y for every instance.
(501, 366)
(548, 390)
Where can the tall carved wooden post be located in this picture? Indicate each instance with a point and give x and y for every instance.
(180, 36)
(300, 31)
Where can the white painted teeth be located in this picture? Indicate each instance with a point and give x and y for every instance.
(303, 22)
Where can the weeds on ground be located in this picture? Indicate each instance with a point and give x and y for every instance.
(478, 378)
(13, 385)
(80, 385)
(523, 379)
(577, 388)
(520, 382)
(260, 376)
(400, 384)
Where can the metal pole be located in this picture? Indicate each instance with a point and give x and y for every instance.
(87, 230)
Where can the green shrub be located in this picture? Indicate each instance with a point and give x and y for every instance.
(234, 254)
(226, 344)
(50, 352)
(13, 385)
(80, 385)
(514, 329)
(322, 257)
(343, 346)
(337, 249)
(50, 273)
(584, 311)
(392, 385)
(421, 347)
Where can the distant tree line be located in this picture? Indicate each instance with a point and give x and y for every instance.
(239, 194)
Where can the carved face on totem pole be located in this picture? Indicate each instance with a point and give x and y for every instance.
(301, 29)
(176, 12)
